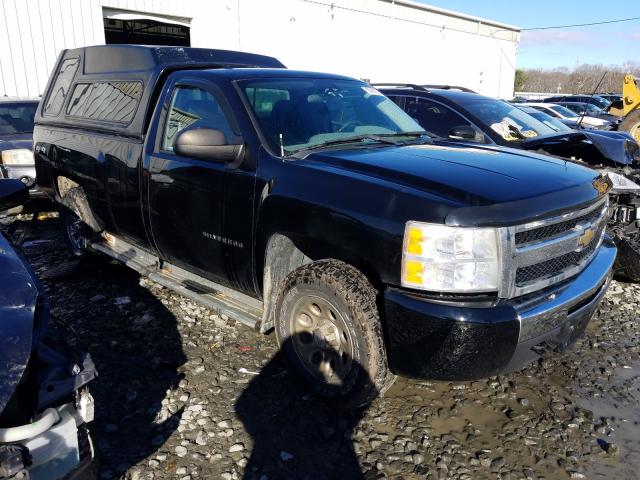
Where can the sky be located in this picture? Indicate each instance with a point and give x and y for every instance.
(612, 44)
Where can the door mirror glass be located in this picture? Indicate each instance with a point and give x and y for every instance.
(13, 193)
(206, 144)
(465, 132)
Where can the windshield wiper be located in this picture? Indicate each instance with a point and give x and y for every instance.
(374, 137)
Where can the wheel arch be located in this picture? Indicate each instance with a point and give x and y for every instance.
(284, 251)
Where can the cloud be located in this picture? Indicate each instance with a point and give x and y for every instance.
(555, 37)
(635, 36)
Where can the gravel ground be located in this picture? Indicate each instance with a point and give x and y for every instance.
(186, 393)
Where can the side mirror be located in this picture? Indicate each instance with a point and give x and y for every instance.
(465, 132)
(206, 144)
(13, 193)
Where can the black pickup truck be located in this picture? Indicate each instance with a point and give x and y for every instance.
(312, 205)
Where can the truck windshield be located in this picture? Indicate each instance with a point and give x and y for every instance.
(508, 121)
(301, 113)
(17, 117)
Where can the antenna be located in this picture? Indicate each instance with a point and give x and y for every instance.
(594, 92)
(281, 146)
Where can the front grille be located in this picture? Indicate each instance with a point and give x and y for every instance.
(556, 229)
(557, 265)
(547, 252)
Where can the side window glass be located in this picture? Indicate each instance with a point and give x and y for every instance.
(105, 101)
(194, 108)
(396, 99)
(60, 87)
(433, 117)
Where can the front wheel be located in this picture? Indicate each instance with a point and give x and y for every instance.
(330, 335)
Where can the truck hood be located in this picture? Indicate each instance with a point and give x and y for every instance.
(466, 175)
(22, 140)
(20, 294)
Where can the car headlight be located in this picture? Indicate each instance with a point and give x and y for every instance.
(450, 259)
(17, 156)
(621, 184)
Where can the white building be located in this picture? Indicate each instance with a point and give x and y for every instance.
(376, 40)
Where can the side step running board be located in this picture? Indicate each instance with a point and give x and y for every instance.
(227, 301)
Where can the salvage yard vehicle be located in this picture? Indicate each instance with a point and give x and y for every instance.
(467, 117)
(45, 403)
(596, 100)
(16, 130)
(312, 205)
(569, 117)
(588, 109)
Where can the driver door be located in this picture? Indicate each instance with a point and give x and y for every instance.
(200, 210)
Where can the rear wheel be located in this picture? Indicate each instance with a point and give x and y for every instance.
(631, 124)
(76, 232)
(329, 331)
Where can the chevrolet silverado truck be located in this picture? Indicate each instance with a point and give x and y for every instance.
(311, 205)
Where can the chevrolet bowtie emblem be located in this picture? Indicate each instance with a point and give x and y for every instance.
(602, 184)
(585, 239)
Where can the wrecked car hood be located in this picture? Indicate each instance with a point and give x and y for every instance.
(610, 144)
(21, 303)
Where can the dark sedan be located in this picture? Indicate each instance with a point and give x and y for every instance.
(16, 133)
(583, 108)
(596, 100)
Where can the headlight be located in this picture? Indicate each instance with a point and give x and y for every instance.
(18, 156)
(450, 259)
(621, 184)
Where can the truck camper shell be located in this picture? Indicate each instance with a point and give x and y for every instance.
(113, 87)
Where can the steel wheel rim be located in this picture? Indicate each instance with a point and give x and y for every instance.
(321, 339)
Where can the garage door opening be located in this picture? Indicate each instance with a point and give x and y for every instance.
(143, 29)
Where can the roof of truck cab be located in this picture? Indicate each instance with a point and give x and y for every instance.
(253, 73)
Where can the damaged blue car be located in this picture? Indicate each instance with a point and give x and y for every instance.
(45, 404)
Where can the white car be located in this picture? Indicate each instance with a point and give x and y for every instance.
(569, 117)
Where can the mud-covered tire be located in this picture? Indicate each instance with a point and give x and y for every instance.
(76, 232)
(631, 124)
(627, 263)
(346, 302)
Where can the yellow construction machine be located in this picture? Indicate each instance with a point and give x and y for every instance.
(629, 108)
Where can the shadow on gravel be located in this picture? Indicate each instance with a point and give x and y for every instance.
(133, 339)
(296, 435)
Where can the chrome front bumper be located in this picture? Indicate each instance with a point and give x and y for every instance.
(556, 319)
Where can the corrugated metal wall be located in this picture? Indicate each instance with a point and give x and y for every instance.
(372, 39)
(32, 33)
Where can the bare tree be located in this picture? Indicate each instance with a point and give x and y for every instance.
(582, 79)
